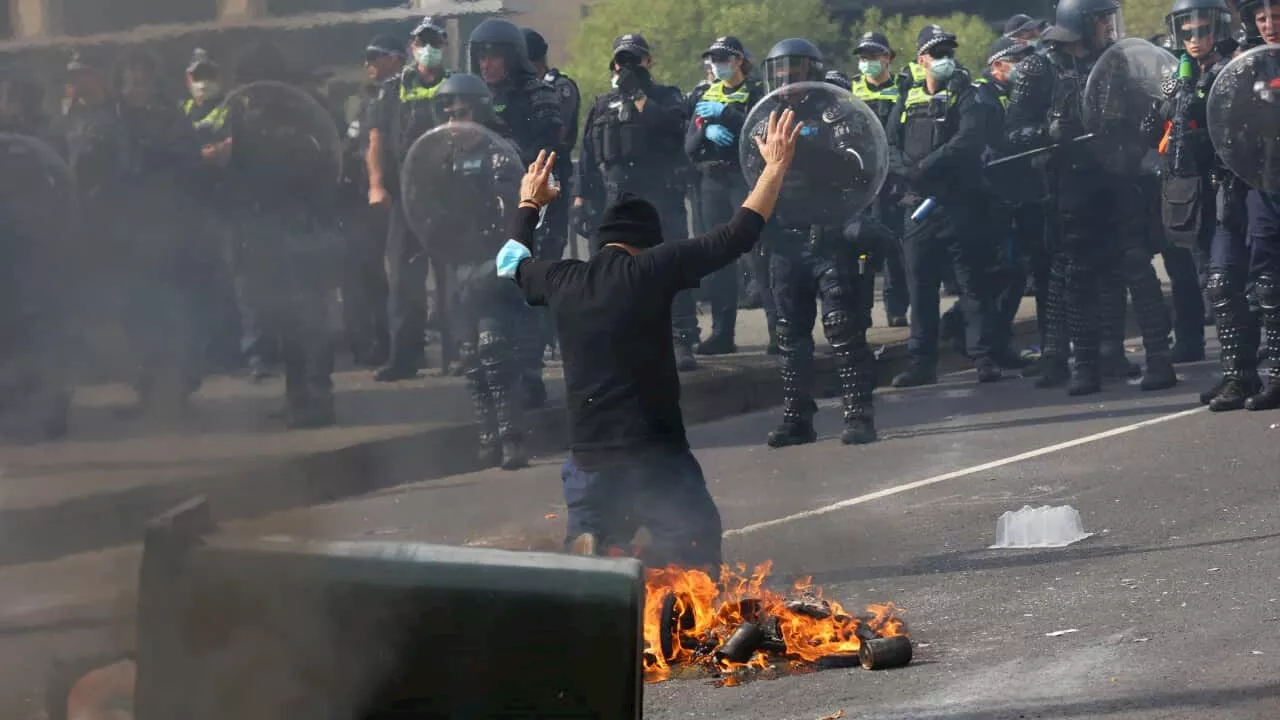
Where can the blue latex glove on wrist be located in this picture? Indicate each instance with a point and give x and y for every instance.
(708, 109)
(720, 135)
(510, 257)
(808, 130)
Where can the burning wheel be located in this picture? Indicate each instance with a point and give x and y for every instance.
(677, 617)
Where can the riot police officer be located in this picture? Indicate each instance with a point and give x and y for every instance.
(405, 109)
(364, 283)
(814, 256)
(1100, 239)
(204, 108)
(875, 86)
(1246, 247)
(711, 142)
(282, 174)
(1024, 28)
(632, 142)
(533, 114)
(471, 193)
(1178, 127)
(1019, 214)
(940, 129)
(556, 224)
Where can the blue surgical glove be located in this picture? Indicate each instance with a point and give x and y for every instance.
(807, 130)
(509, 258)
(720, 135)
(708, 109)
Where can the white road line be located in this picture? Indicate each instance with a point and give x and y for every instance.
(898, 489)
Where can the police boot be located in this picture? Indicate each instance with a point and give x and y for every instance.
(1160, 374)
(918, 373)
(1187, 352)
(490, 454)
(897, 321)
(1206, 396)
(685, 361)
(1086, 379)
(1267, 289)
(1233, 394)
(953, 330)
(1052, 371)
(987, 369)
(798, 407)
(1238, 338)
(1113, 364)
(717, 343)
(857, 382)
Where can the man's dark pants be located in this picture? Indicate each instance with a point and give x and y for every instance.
(407, 300)
(951, 236)
(663, 491)
(364, 283)
(895, 292)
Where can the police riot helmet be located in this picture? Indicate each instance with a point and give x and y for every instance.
(1249, 10)
(1198, 19)
(791, 61)
(501, 36)
(1075, 21)
(469, 92)
(536, 44)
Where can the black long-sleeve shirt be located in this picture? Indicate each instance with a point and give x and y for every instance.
(613, 314)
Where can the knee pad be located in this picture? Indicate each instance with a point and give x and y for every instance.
(492, 348)
(1267, 289)
(790, 340)
(1220, 289)
(841, 329)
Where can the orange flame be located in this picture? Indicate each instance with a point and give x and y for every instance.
(688, 617)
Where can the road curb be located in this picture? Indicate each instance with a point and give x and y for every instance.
(719, 390)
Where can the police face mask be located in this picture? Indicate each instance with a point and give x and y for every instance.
(429, 56)
(943, 68)
(870, 68)
(723, 70)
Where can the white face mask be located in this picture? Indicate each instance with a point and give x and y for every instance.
(723, 71)
(613, 82)
(943, 68)
(870, 68)
(428, 56)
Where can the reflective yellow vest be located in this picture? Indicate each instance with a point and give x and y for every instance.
(716, 93)
(918, 94)
(212, 120)
(864, 92)
(408, 94)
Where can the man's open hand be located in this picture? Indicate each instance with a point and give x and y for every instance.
(536, 186)
(778, 146)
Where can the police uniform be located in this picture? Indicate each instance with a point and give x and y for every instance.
(897, 299)
(533, 114)
(1101, 235)
(628, 150)
(721, 187)
(940, 139)
(405, 111)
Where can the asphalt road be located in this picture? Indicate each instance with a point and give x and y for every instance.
(1173, 604)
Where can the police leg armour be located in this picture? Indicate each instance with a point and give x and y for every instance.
(856, 367)
(482, 402)
(1082, 291)
(497, 358)
(1238, 339)
(1154, 321)
(1267, 289)
(1112, 299)
(1053, 369)
(798, 406)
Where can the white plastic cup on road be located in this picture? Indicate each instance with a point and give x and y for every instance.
(1039, 527)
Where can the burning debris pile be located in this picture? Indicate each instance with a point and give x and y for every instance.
(736, 629)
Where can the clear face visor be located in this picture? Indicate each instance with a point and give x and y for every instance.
(1199, 29)
(1108, 27)
(787, 70)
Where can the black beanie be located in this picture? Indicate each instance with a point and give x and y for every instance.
(631, 220)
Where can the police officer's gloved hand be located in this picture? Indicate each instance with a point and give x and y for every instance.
(959, 80)
(709, 109)
(510, 257)
(720, 135)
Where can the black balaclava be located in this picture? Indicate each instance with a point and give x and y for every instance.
(631, 220)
